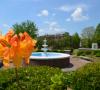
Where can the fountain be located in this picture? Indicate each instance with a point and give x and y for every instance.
(53, 59)
(44, 47)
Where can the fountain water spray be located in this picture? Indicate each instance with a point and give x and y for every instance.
(45, 46)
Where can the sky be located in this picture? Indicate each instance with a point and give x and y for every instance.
(50, 16)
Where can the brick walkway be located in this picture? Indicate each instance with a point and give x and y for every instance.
(75, 63)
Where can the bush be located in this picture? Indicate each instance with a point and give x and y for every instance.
(80, 53)
(75, 51)
(97, 54)
(32, 78)
(61, 81)
(57, 51)
(87, 52)
(96, 51)
(57, 82)
(87, 77)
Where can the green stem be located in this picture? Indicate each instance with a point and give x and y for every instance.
(17, 77)
(19, 87)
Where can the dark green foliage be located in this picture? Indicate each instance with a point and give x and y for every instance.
(27, 26)
(55, 42)
(87, 52)
(87, 77)
(97, 35)
(30, 78)
(96, 51)
(87, 36)
(79, 53)
(39, 43)
(75, 40)
(83, 52)
(97, 54)
(59, 51)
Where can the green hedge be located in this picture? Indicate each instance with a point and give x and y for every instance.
(34, 78)
(97, 54)
(59, 51)
(80, 52)
(87, 77)
(48, 78)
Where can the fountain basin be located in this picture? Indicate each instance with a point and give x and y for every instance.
(50, 59)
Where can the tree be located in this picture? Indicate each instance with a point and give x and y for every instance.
(56, 42)
(97, 35)
(27, 26)
(39, 42)
(67, 40)
(87, 36)
(76, 40)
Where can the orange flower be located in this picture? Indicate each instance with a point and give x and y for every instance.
(29, 44)
(9, 35)
(17, 48)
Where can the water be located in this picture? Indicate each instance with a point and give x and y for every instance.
(48, 54)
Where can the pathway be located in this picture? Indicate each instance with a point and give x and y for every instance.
(75, 64)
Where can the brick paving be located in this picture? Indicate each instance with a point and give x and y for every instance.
(75, 63)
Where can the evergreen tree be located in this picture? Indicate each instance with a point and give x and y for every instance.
(76, 40)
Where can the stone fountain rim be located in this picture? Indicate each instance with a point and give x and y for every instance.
(59, 56)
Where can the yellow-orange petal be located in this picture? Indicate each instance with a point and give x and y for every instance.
(27, 61)
(6, 63)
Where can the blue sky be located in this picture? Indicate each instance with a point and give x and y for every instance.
(50, 16)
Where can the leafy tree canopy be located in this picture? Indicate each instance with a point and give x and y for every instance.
(87, 36)
(27, 26)
(97, 35)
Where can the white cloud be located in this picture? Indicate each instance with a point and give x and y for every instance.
(51, 24)
(65, 8)
(51, 28)
(43, 13)
(69, 8)
(5, 25)
(77, 15)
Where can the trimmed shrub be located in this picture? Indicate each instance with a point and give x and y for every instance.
(32, 78)
(61, 81)
(97, 54)
(87, 52)
(79, 53)
(87, 77)
(75, 51)
(96, 51)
